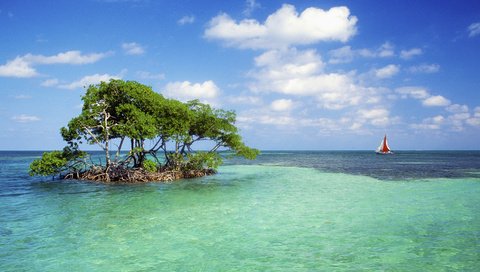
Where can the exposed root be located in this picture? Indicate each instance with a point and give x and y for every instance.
(137, 175)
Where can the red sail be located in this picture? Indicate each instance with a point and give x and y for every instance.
(385, 146)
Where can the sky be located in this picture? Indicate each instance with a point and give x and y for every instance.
(300, 75)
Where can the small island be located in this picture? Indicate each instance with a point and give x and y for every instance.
(159, 132)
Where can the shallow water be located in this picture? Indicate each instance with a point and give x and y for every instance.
(246, 218)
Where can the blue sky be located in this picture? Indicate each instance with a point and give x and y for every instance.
(300, 74)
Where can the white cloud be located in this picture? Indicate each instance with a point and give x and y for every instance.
(474, 29)
(300, 73)
(50, 82)
(187, 19)
(414, 92)
(436, 101)
(373, 113)
(458, 120)
(408, 54)
(386, 50)
(283, 119)
(475, 119)
(282, 105)
(284, 28)
(425, 68)
(206, 92)
(89, 80)
(457, 108)
(432, 123)
(376, 116)
(133, 48)
(289, 63)
(69, 57)
(420, 93)
(24, 118)
(23, 66)
(387, 71)
(346, 54)
(323, 125)
(17, 68)
(251, 6)
(148, 75)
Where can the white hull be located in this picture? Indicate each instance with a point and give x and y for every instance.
(384, 153)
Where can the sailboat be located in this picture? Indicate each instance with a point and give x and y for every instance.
(384, 149)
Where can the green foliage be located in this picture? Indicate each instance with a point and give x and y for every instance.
(202, 160)
(176, 160)
(128, 110)
(218, 125)
(149, 166)
(55, 162)
(51, 163)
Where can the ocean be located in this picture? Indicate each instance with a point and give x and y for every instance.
(285, 211)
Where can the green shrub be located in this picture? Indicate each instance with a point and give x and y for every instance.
(51, 163)
(202, 160)
(149, 166)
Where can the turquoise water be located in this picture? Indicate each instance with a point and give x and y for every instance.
(264, 216)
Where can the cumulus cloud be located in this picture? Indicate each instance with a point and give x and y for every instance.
(387, 71)
(413, 92)
(375, 116)
(422, 94)
(425, 68)
(347, 54)
(289, 63)
(25, 118)
(432, 123)
(284, 119)
(474, 29)
(408, 54)
(89, 80)
(206, 92)
(285, 27)
(187, 19)
(23, 66)
(457, 108)
(323, 125)
(282, 105)
(17, 68)
(458, 115)
(69, 57)
(300, 73)
(436, 101)
(386, 50)
(133, 48)
(475, 119)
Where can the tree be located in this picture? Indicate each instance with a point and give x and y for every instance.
(130, 111)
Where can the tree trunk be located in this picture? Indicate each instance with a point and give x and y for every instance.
(106, 135)
(119, 149)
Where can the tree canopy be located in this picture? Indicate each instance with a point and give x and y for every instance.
(129, 113)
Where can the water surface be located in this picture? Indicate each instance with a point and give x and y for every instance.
(287, 211)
